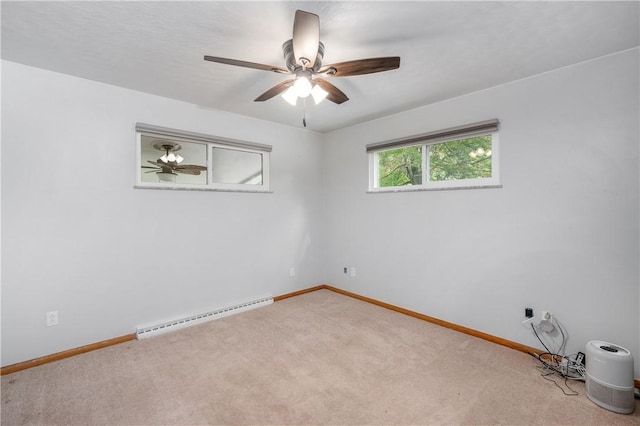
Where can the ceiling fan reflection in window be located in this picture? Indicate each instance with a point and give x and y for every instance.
(303, 58)
(170, 164)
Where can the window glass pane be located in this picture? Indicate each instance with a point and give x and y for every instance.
(167, 160)
(233, 166)
(399, 167)
(461, 159)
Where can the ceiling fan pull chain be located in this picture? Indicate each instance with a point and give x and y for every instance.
(304, 112)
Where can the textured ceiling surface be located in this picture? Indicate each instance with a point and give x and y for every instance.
(447, 49)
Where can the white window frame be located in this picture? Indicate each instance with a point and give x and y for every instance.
(210, 142)
(425, 143)
(264, 187)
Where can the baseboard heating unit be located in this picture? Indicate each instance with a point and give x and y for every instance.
(147, 331)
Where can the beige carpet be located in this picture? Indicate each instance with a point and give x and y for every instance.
(319, 358)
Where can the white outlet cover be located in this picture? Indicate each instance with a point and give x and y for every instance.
(52, 318)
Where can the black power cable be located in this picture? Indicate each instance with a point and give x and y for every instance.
(552, 366)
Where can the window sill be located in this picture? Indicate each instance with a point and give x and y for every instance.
(420, 189)
(252, 191)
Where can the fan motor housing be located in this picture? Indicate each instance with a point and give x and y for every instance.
(609, 376)
(290, 57)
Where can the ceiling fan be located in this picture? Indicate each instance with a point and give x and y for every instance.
(303, 58)
(169, 165)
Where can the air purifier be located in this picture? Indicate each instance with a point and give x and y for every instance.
(609, 376)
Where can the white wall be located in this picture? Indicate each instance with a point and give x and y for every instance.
(79, 239)
(560, 235)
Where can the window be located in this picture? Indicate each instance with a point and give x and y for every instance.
(173, 159)
(460, 157)
(231, 166)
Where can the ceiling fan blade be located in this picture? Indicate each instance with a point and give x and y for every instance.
(275, 90)
(190, 168)
(361, 66)
(246, 64)
(187, 172)
(335, 95)
(306, 37)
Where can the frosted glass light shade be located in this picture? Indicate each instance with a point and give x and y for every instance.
(302, 87)
(290, 96)
(166, 177)
(318, 94)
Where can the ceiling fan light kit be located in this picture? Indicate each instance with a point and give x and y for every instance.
(170, 157)
(302, 88)
(169, 148)
(318, 94)
(290, 96)
(303, 56)
(169, 165)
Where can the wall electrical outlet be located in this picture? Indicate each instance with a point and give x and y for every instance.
(52, 318)
(528, 312)
(546, 322)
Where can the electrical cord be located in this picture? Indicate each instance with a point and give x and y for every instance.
(558, 368)
(558, 363)
(576, 366)
(573, 392)
(561, 349)
(548, 369)
(536, 333)
(564, 339)
(563, 343)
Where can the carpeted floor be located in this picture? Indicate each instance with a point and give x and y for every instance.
(318, 358)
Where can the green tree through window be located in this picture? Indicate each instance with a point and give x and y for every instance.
(402, 166)
(460, 159)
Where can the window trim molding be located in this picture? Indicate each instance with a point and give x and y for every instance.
(200, 137)
(452, 133)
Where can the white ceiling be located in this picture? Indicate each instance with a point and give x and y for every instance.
(447, 49)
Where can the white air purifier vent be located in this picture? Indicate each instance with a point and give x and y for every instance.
(143, 332)
(609, 376)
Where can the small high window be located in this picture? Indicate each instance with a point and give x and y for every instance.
(460, 157)
(175, 159)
